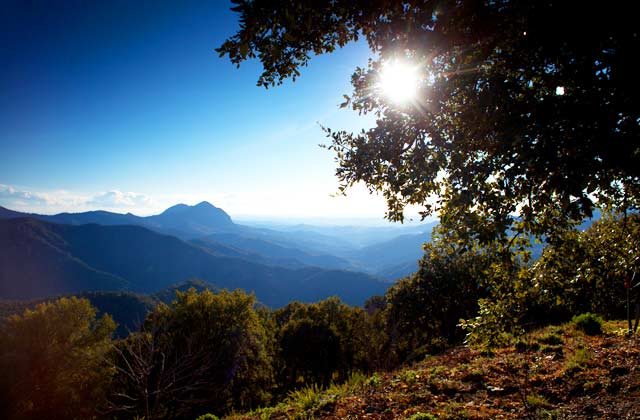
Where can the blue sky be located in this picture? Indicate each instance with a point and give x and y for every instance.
(124, 105)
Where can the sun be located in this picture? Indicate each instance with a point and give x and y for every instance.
(398, 81)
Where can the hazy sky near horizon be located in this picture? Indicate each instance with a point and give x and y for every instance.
(124, 106)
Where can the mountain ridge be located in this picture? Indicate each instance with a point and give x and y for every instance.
(180, 220)
(136, 259)
(211, 228)
(385, 252)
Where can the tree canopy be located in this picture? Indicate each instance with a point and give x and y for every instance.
(321, 341)
(526, 114)
(205, 350)
(590, 271)
(53, 361)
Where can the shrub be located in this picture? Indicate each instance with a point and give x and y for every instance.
(422, 416)
(536, 401)
(588, 323)
(409, 377)
(578, 360)
(205, 350)
(320, 343)
(208, 417)
(424, 310)
(305, 398)
(374, 381)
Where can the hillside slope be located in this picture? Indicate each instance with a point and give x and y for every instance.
(41, 259)
(559, 373)
(35, 262)
(271, 252)
(394, 258)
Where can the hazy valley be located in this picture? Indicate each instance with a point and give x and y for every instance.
(48, 255)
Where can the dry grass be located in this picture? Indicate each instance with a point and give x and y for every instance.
(561, 373)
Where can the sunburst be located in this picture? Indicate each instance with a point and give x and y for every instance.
(399, 81)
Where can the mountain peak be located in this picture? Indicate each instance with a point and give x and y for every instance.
(203, 218)
(178, 208)
(205, 205)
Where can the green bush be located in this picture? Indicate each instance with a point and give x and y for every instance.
(208, 417)
(536, 401)
(320, 343)
(374, 381)
(305, 398)
(207, 351)
(422, 416)
(578, 360)
(424, 310)
(590, 324)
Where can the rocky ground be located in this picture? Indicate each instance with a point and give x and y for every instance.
(554, 373)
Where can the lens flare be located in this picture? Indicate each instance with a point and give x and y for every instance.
(399, 81)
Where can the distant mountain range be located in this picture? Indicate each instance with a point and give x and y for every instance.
(382, 252)
(40, 258)
(180, 220)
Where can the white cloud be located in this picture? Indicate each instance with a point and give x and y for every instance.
(15, 197)
(119, 199)
(51, 202)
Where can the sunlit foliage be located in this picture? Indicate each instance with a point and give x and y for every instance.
(527, 114)
(590, 271)
(424, 309)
